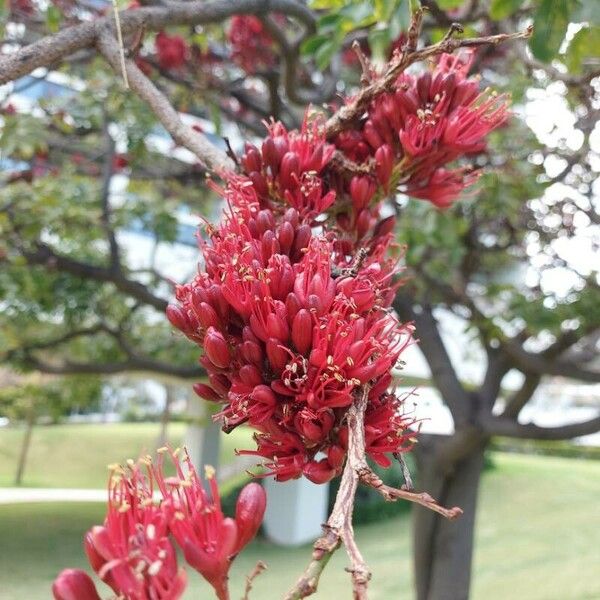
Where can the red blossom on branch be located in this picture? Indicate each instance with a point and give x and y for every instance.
(209, 540)
(171, 50)
(251, 44)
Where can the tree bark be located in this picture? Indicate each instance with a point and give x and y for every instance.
(165, 416)
(443, 549)
(25, 445)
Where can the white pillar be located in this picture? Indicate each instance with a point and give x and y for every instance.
(203, 436)
(295, 511)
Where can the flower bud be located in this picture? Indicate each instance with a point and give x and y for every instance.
(319, 471)
(259, 182)
(372, 135)
(252, 352)
(251, 160)
(292, 217)
(302, 331)
(384, 227)
(363, 223)
(74, 584)
(220, 383)
(250, 375)
(249, 513)
(276, 354)
(216, 348)
(178, 318)
(292, 305)
(362, 189)
(285, 235)
(206, 392)
(303, 235)
(207, 315)
(265, 221)
(290, 168)
(384, 159)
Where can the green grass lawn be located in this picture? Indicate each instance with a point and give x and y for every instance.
(77, 455)
(538, 538)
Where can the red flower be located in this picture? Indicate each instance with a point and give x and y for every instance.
(292, 308)
(209, 540)
(251, 44)
(120, 162)
(131, 552)
(171, 50)
(74, 584)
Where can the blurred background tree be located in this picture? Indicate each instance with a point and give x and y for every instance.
(97, 204)
(30, 398)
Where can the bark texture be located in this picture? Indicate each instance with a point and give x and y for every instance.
(443, 550)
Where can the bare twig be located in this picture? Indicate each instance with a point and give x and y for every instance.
(120, 40)
(348, 114)
(57, 47)
(258, 569)
(195, 142)
(338, 528)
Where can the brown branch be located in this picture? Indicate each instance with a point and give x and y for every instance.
(195, 142)
(55, 48)
(423, 498)
(433, 348)
(132, 365)
(510, 428)
(530, 362)
(258, 569)
(338, 528)
(107, 175)
(352, 111)
(44, 255)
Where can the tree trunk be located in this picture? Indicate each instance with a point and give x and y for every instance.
(443, 550)
(30, 422)
(165, 416)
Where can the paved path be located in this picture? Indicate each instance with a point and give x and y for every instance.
(18, 495)
(13, 495)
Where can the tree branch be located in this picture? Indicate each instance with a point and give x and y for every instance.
(432, 347)
(136, 364)
(208, 154)
(338, 528)
(352, 111)
(510, 428)
(44, 255)
(528, 362)
(107, 173)
(54, 48)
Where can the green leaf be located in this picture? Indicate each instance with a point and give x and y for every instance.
(357, 13)
(585, 44)
(446, 4)
(330, 22)
(400, 20)
(325, 52)
(550, 24)
(500, 9)
(53, 17)
(312, 44)
(379, 40)
(384, 10)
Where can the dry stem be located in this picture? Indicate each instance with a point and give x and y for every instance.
(208, 154)
(352, 111)
(258, 569)
(338, 528)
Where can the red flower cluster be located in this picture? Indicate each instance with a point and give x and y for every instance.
(429, 121)
(292, 307)
(251, 44)
(171, 50)
(132, 551)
